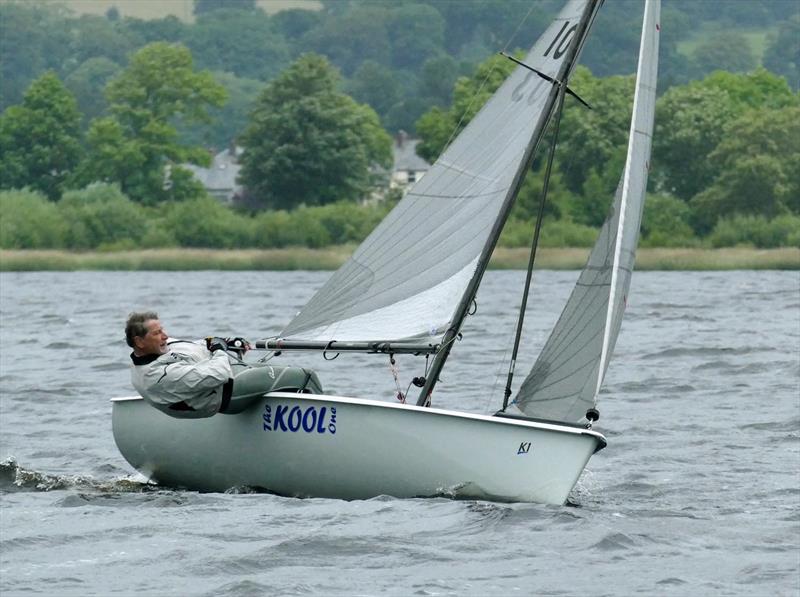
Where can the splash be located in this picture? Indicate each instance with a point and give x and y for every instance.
(14, 478)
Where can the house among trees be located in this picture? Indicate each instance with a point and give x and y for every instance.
(408, 167)
(219, 179)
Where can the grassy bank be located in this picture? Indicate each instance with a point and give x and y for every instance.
(660, 259)
(331, 258)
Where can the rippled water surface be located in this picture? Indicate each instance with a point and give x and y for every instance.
(698, 492)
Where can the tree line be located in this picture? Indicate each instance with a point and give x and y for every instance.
(400, 57)
(725, 165)
(725, 147)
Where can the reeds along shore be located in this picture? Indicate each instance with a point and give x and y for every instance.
(333, 257)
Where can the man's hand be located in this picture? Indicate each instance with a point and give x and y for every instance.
(238, 344)
(213, 344)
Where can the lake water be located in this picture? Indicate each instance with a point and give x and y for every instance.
(698, 492)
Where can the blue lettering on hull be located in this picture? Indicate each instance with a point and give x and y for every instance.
(311, 419)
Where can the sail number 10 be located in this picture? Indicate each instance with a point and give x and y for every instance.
(558, 46)
(562, 39)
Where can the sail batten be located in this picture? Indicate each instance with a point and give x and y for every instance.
(569, 372)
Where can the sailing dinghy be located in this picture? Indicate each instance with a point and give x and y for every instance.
(407, 290)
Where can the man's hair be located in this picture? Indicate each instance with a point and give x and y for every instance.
(135, 326)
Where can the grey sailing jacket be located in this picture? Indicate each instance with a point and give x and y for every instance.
(186, 382)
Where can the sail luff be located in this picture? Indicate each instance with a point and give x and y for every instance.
(651, 18)
(565, 379)
(404, 282)
(460, 313)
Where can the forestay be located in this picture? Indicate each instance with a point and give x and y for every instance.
(405, 280)
(566, 378)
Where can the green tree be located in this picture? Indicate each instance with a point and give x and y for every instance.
(244, 43)
(156, 92)
(33, 38)
(85, 81)
(101, 216)
(437, 79)
(558, 203)
(203, 7)
(689, 124)
(349, 39)
(205, 222)
(666, 222)
(309, 143)
(144, 31)
(756, 164)
(757, 89)
(403, 115)
(375, 85)
(782, 55)
(29, 221)
(727, 51)
(691, 120)
(93, 36)
(758, 231)
(589, 139)
(590, 207)
(295, 22)
(613, 46)
(40, 139)
(490, 24)
(416, 33)
(230, 120)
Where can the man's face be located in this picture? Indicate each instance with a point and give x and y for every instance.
(154, 341)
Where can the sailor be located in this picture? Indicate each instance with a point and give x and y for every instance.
(180, 378)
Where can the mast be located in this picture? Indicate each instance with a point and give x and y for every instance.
(483, 260)
(534, 245)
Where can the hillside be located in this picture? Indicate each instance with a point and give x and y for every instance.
(158, 9)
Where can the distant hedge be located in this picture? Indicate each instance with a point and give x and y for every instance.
(101, 217)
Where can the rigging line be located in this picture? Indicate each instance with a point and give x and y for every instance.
(521, 23)
(534, 244)
(457, 128)
(498, 372)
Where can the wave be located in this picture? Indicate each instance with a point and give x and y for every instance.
(705, 351)
(17, 479)
(14, 478)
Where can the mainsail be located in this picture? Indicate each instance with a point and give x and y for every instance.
(566, 378)
(404, 281)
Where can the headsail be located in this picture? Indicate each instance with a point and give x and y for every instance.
(405, 280)
(567, 376)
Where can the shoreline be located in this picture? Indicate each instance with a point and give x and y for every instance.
(653, 259)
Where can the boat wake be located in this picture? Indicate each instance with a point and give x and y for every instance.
(15, 478)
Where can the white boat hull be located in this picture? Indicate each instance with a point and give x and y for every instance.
(327, 446)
